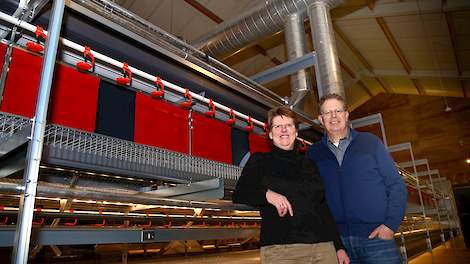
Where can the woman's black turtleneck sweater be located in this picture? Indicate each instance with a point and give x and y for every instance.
(296, 177)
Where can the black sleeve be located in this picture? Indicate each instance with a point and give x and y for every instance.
(249, 189)
(331, 227)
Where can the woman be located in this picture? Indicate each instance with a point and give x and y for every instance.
(296, 225)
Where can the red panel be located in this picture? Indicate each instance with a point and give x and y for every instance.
(74, 99)
(3, 49)
(211, 139)
(160, 124)
(259, 143)
(22, 83)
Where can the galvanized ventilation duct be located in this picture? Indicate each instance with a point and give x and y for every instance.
(269, 18)
(261, 21)
(300, 82)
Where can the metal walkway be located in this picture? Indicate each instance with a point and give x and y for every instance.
(88, 151)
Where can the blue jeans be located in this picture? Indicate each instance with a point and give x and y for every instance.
(362, 250)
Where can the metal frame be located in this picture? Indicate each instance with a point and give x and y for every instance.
(370, 120)
(427, 172)
(407, 147)
(90, 236)
(287, 68)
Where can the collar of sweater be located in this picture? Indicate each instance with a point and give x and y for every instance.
(283, 153)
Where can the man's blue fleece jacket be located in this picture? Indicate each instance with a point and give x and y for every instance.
(366, 190)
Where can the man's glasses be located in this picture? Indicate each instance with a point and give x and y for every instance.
(283, 126)
(335, 112)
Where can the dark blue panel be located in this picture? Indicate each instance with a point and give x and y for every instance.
(116, 108)
(240, 145)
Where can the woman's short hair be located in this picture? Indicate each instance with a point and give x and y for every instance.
(282, 111)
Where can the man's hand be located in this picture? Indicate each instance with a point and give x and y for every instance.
(280, 202)
(342, 257)
(382, 232)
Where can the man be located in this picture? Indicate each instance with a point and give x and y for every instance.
(364, 191)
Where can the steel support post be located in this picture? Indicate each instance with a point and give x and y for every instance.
(25, 216)
(436, 204)
(403, 248)
(415, 173)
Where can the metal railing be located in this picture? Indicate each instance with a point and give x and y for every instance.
(11, 124)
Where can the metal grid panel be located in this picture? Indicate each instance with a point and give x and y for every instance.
(117, 152)
(10, 124)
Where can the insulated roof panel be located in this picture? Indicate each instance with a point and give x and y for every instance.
(424, 41)
(368, 38)
(401, 85)
(442, 87)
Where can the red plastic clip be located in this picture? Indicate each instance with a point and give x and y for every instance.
(74, 223)
(211, 112)
(158, 93)
(100, 212)
(265, 129)
(168, 225)
(303, 149)
(40, 36)
(126, 80)
(87, 57)
(187, 104)
(41, 221)
(231, 118)
(149, 224)
(249, 127)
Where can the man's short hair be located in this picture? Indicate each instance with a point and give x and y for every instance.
(326, 97)
(282, 111)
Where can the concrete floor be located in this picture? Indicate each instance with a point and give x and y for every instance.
(453, 252)
(239, 257)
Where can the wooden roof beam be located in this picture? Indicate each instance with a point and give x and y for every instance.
(393, 43)
(383, 85)
(211, 15)
(453, 41)
(353, 75)
(370, 4)
(396, 49)
(418, 86)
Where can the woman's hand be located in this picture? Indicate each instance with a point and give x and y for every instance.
(280, 202)
(342, 256)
